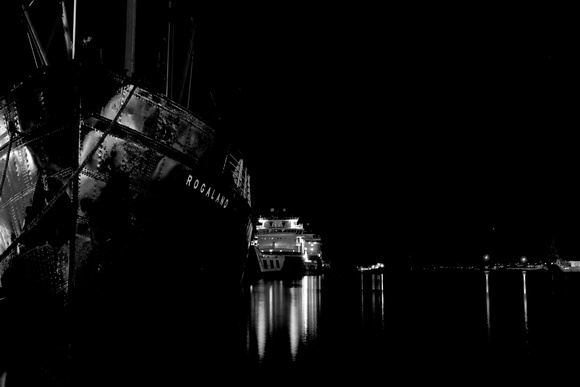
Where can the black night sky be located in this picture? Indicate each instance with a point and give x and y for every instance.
(436, 131)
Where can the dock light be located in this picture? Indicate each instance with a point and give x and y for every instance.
(523, 259)
(486, 257)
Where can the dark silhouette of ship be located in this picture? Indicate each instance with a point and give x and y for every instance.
(117, 203)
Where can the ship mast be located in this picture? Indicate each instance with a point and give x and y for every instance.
(188, 67)
(74, 34)
(37, 51)
(130, 36)
(169, 56)
(65, 27)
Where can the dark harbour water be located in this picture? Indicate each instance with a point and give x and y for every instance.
(462, 326)
(405, 327)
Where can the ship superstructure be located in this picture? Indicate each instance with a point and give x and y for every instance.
(283, 246)
(278, 243)
(284, 235)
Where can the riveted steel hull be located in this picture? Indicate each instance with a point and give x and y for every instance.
(135, 186)
(118, 209)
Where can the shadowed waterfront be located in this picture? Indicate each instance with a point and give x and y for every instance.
(422, 325)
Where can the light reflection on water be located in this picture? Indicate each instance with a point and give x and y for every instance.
(525, 291)
(525, 308)
(372, 284)
(284, 315)
(477, 319)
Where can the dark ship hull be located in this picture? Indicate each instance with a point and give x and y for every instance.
(116, 204)
(134, 173)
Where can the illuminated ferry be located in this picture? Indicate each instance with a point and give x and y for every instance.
(110, 181)
(282, 246)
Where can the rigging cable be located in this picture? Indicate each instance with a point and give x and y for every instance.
(10, 131)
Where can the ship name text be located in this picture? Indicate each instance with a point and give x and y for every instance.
(207, 190)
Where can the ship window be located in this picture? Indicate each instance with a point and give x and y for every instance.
(265, 264)
(277, 264)
(271, 264)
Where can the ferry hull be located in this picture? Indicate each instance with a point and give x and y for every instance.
(276, 265)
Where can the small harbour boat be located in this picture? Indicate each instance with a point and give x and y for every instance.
(567, 266)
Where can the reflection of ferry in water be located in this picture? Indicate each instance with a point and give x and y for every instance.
(282, 247)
